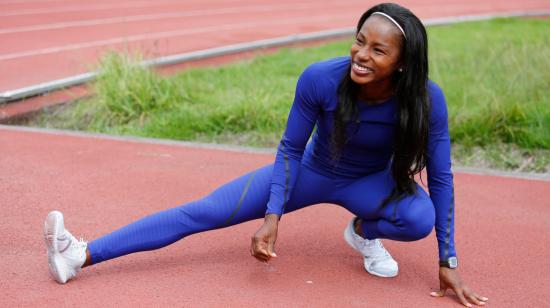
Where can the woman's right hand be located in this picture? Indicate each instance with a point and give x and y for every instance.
(263, 241)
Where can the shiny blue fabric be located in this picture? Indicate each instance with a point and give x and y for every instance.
(304, 174)
(245, 199)
(369, 148)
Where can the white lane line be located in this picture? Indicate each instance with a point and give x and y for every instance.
(144, 17)
(29, 1)
(70, 81)
(165, 34)
(97, 7)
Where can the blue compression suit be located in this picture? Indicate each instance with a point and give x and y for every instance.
(304, 174)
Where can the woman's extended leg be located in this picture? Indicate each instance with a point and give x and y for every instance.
(240, 200)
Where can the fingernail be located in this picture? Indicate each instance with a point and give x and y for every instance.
(274, 254)
(485, 299)
(469, 305)
(433, 294)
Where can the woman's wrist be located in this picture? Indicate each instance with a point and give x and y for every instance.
(272, 218)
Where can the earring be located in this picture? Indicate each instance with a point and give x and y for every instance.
(400, 69)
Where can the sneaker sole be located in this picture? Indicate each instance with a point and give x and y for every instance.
(379, 274)
(52, 228)
(349, 239)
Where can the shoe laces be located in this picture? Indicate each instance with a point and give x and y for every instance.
(75, 248)
(375, 249)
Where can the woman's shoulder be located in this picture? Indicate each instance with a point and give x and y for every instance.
(330, 69)
(434, 89)
(320, 81)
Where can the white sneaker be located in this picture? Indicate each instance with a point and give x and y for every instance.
(66, 255)
(377, 259)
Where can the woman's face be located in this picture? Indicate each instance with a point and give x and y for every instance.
(376, 52)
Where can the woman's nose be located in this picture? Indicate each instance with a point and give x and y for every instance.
(363, 53)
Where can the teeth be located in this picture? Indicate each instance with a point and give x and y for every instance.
(361, 68)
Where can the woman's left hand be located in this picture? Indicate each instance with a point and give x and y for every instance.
(449, 279)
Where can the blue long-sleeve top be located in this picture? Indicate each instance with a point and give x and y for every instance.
(368, 150)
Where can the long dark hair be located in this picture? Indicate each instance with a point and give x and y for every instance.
(410, 144)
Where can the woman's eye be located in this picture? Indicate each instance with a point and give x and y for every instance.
(379, 51)
(359, 41)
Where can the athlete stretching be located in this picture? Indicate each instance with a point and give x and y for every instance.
(379, 121)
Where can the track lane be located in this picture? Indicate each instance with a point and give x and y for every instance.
(23, 51)
(101, 184)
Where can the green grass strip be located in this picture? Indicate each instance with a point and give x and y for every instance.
(495, 74)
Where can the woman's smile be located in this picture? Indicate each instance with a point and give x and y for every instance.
(361, 70)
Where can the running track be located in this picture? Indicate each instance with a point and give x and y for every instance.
(101, 183)
(45, 40)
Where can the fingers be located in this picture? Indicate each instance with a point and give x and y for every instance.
(474, 298)
(462, 298)
(271, 249)
(442, 289)
(481, 298)
(449, 279)
(259, 256)
(439, 293)
(263, 241)
(258, 249)
(466, 296)
(477, 297)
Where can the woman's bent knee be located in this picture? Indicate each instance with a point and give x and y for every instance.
(419, 220)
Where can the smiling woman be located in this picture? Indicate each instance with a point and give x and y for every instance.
(379, 122)
(378, 42)
(390, 60)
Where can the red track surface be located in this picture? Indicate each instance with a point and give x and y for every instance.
(502, 223)
(46, 40)
(502, 232)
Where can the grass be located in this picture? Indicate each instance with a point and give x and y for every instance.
(503, 156)
(496, 77)
(495, 74)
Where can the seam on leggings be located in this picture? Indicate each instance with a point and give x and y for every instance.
(448, 230)
(394, 216)
(287, 176)
(241, 200)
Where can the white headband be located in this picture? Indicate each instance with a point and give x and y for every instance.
(392, 20)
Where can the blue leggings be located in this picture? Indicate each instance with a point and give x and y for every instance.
(246, 197)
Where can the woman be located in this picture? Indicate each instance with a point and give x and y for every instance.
(379, 122)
